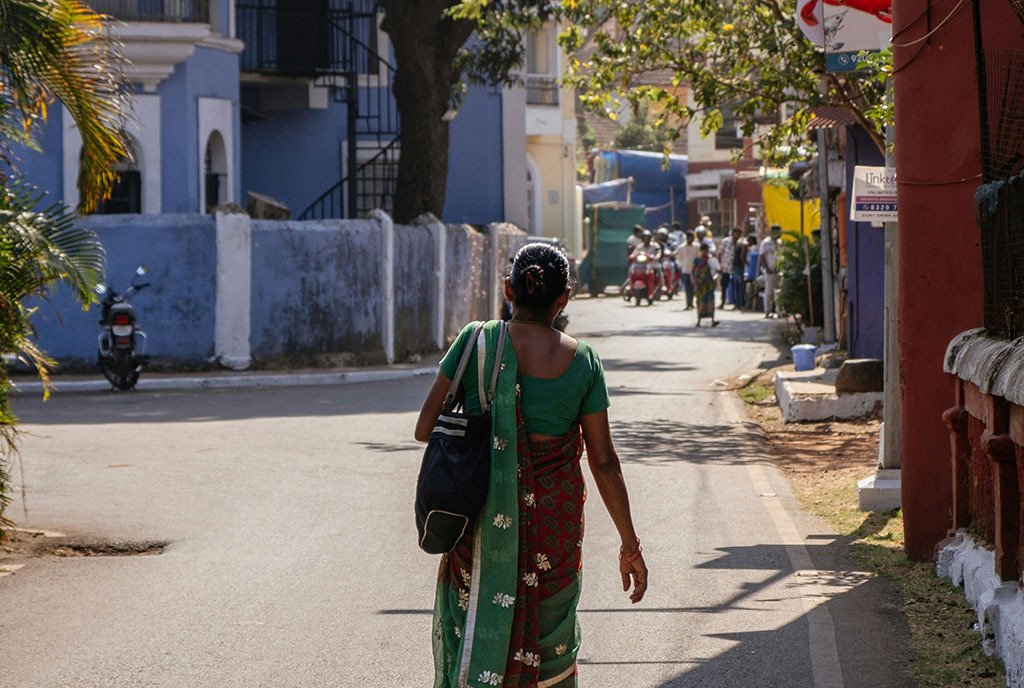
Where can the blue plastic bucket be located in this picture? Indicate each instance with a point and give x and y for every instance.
(803, 356)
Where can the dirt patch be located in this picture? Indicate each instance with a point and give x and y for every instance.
(823, 462)
(18, 545)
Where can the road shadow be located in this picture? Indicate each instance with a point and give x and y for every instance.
(662, 442)
(870, 633)
(216, 405)
(646, 366)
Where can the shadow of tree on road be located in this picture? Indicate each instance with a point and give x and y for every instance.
(646, 366)
(660, 441)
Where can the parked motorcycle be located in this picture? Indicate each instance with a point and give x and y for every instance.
(122, 343)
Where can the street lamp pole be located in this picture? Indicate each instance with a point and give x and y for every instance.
(827, 284)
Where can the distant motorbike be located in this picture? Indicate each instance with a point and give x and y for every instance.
(673, 278)
(122, 343)
(644, 281)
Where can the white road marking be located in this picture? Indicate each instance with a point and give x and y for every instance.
(826, 669)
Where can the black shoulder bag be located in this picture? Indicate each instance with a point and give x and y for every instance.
(456, 468)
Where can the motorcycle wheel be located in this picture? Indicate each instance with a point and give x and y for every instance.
(639, 295)
(108, 371)
(627, 293)
(119, 372)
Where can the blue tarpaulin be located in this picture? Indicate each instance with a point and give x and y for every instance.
(651, 184)
(616, 190)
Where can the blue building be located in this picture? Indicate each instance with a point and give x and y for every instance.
(286, 98)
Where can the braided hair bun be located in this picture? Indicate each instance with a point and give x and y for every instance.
(540, 274)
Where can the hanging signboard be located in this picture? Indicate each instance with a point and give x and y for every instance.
(851, 26)
(874, 194)
(811, 20)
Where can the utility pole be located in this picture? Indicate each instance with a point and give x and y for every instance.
(827, 284)
(891, 435)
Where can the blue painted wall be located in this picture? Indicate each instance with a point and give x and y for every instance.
(176, 312)
(208, 73)
(44, 168)
(294, 155)
(475, 193)
(316, 289)
(866, 261)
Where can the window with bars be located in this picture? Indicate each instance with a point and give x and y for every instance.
(1000, 199)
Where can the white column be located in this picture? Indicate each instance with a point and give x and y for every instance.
(496, 269)
(387, 281)
(232, 323)
(439, 238)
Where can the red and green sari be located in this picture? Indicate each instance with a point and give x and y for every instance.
(505, 608)
(704, 287)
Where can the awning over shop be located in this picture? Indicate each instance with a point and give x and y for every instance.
(780, 209)
(829, 117)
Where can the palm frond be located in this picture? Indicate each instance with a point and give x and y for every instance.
(40, 246)
(60, 49)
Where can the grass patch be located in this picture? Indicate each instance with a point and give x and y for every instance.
(755, 392)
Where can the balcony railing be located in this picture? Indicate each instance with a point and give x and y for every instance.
(190, 11)
(340, 38)
(541, 90)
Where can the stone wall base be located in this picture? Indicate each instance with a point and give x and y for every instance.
(1000, 605)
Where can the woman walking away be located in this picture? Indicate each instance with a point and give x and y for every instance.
(705, 267)
(505, 607)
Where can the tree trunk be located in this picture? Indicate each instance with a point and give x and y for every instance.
(425, 47)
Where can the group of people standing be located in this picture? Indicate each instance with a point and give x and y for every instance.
(745, 268)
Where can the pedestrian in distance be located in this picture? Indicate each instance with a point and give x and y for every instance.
(676, 235)
(704, 233)
(705, 268)
(737, 282)
(726, 253)
(768, 262)
(505, 612)
(688, 253)
(751, 275)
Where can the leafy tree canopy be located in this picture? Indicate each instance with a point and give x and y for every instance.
(639, 133)
(745, 55)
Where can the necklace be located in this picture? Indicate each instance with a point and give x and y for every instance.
(529, 321)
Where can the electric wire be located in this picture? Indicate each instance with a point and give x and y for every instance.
(959, 6)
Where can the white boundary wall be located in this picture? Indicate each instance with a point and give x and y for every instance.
(1000, 605)
(446, 310)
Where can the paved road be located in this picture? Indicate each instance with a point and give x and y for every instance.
(293, 561)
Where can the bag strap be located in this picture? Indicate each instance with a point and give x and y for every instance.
(481, 349)
(449, 398)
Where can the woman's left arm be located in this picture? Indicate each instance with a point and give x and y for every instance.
(432, 407)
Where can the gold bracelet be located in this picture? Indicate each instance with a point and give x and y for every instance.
(631, 555)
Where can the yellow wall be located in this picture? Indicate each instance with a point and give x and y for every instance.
(548, 154)
(780, 209)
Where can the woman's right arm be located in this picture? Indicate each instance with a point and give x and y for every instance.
(607, 472)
